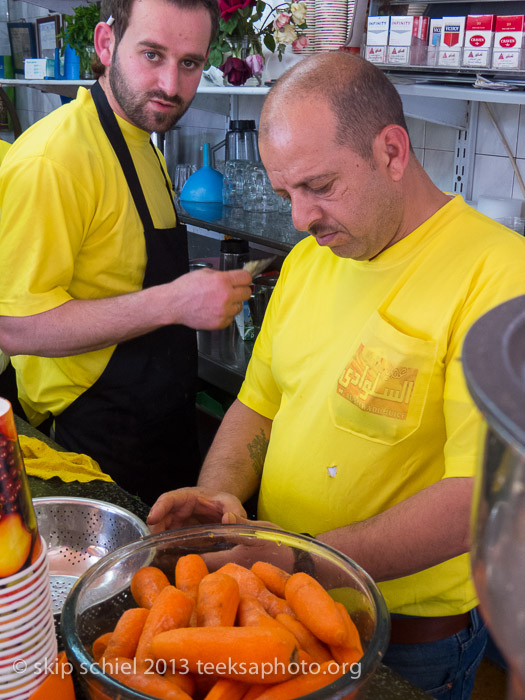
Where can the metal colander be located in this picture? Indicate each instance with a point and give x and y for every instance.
(79, 532)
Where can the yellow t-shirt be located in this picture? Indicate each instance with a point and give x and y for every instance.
(358, 365)
(69, 230)
(4, 147)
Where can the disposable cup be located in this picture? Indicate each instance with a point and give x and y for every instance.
(11, 583)
(21, 643)
(21, 691)
(19, 607)
(33, 665)
(34, 626)
(28, 623)
(21, 592)
(25, 656)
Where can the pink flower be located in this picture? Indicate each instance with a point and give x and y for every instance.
(256, 63)
(281, 20)
(300, 43)
(229, 7)
(236, 70)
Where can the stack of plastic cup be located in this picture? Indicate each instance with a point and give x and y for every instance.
(28, 646)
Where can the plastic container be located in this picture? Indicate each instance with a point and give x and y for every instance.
(92, 609)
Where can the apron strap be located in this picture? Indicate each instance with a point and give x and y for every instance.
(110, 125)
(168, 186)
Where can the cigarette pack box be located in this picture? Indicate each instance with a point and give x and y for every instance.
(377, 38)
(479, 37)
(452, 37)
(434, 40)
(377, 30)
(508, 42)
(408, 35)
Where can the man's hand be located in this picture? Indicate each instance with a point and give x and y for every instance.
(192, 506)
(208, 299)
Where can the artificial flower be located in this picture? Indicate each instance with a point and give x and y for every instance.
(228, 8)
(245, 26)
(236, 70)
(255, 63)
(298, 10)
(281, 20)
(300, 43)
(286, 34)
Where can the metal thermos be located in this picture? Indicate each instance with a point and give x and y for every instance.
(234, 253)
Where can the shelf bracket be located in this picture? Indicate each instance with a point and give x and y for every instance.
(465, 152)
(437, 110)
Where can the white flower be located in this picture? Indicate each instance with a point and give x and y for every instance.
(298, 10)
(285, 35)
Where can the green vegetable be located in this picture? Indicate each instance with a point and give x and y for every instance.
(80, 30)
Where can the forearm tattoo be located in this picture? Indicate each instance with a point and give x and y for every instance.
(257, 449)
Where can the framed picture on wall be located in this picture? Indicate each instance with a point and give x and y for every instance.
(22, 42)
(47, 30)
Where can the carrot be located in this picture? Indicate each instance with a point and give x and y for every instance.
(303, 684)
(217, 600)
(305, 638)
(272, 576)
(315, 608)
(255, 690)
(150, 683)
(100, 644)
(184, 680)
(273, 604)
(189, 572)
(171, 609)
(254, 654)
(126, 635)
(352, 650)
(226, 689)
(251, 613)
(146, 584)
(250, 584)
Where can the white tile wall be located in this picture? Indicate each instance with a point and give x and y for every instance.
(440, 167)
(493, 177)
(507, 117)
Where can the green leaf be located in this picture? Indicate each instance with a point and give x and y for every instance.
(215, 57)
(269, 42)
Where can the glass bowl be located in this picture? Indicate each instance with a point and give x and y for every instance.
(102, 593)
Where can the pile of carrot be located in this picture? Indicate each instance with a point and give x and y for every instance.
(232, 634)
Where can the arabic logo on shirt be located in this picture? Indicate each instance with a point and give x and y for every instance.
(374, 384)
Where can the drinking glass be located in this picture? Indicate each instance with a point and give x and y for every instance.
(233, 182)
(258, 194)
(181, 173)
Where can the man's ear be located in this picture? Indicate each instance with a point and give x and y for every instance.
(104, 42)
(392, 150)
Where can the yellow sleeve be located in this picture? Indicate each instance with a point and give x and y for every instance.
(41, 232)
(499, 279)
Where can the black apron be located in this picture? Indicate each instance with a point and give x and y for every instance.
(138, 419)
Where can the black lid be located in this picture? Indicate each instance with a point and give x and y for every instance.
(242, 125)
(235, 245)
(494, 365)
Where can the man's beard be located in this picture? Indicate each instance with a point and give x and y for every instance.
(134, 105)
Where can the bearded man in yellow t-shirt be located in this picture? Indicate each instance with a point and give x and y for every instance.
(354, 421)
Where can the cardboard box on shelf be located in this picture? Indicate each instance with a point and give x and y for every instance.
(377, 38)
(479, 38)
(508, 42)
(434, 41)
(407, 39)
(452, 37)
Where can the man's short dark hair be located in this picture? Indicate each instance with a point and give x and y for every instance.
(120, 10)
(361, 96)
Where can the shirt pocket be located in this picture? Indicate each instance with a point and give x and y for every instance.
(381, 391)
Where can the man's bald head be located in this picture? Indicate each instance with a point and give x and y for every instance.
(362, 98)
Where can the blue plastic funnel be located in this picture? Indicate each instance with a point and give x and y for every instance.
(205, 185)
